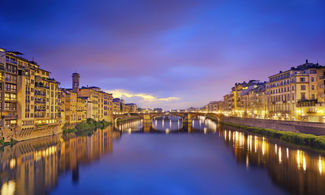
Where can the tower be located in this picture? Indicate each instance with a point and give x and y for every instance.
(75, 82)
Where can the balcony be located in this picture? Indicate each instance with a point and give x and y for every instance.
(10, 116)
(304, 103)
(11, 61)
(40, 110)
(39, 102)
(322, 77)
(10, 90)
(39, 93)
(10, 80)
(321, 86)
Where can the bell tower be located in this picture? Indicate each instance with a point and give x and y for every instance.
(75, 82)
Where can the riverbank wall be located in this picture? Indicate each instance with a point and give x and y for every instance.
(26, 134)
(314, 128)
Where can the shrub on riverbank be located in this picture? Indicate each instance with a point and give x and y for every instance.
(68, 131)
(288, 136)
(3, 143)
(128, 119)
(87, 127)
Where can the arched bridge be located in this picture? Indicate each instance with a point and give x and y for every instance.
(147, 117)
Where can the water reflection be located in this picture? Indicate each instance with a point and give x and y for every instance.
(34, 167)
(128, 127)
(167, 123)
(297, 171)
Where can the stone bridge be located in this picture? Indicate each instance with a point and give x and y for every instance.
(148, 117)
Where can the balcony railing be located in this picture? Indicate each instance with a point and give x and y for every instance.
(302, 103)
(39, 102)
(11, 61)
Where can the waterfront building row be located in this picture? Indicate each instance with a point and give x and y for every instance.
(294, 94)
(31, 100)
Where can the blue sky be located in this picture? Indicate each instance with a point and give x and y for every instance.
(179, 53)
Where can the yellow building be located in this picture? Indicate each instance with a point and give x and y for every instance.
(99, 104)
(239, 100)
(116, 106)
(130, 108)
(228, 103)
(288, 91)
(69, 104)
(46, 99)
(30, 95)
(81, 109)
(8, 89)
(255, 104)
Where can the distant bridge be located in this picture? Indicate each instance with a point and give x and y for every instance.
(147, 118)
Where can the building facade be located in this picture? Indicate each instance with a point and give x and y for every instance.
(99, 104)
(29, 97)
(288, 91)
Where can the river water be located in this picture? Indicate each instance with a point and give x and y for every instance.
(165, 157)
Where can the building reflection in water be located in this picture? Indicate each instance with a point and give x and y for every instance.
(135, 125)
(33, 167)
(295, 170)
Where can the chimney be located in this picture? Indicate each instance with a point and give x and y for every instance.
(306, 61)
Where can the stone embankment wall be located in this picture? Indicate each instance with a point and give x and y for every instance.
(294, 126)
(8, 134)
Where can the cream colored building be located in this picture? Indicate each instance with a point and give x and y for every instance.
(69, 105)
(287, 91)
(99, 104)
(130, 108)
(313, 110)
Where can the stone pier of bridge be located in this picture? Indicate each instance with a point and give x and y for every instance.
(186, 120)
(147, 122)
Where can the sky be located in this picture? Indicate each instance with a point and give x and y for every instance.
(165, 53)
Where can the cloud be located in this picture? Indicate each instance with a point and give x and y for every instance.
(121, 93)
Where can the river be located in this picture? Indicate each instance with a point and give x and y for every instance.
(165, 157)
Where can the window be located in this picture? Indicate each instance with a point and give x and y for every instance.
(10, 106)
(10, 78)
(9, 96)
(313, 96)
(302, 96)
(293, 88)
(303, 87)
(312, 87)
(10, 87)
(302, 79)
(312, 79)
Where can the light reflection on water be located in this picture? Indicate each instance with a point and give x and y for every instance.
(36, 166)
